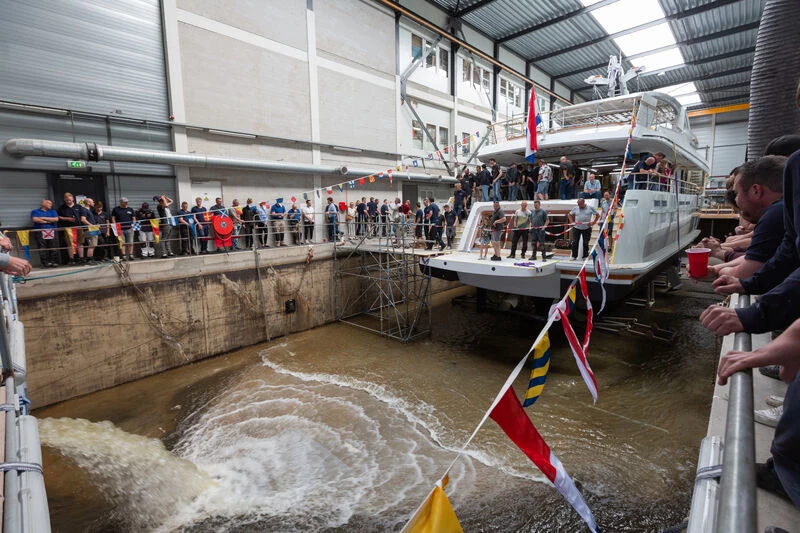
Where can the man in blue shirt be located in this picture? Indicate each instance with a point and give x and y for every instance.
(459, 202)
(591, 189)
(44, 221)
(332, 218)
(434, 225)
(201, 224)
(294, 223)
(277, 213)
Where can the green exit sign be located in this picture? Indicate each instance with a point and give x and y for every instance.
(76, 164)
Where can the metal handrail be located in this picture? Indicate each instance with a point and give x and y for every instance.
(737, 504)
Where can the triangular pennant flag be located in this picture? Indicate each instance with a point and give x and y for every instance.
(580, 356)
(512, 419)
(436, 515)
(539, 368)
(339, 186)
(589, 311)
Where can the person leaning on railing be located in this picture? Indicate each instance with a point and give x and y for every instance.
(781, 473)
(778, 281)
(13, 266)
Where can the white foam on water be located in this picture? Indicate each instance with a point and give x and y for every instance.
(137, 474)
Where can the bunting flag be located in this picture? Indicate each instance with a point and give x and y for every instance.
(48, 234)
(318, 196)
(116, 229)
(24, 237)
(478, 134)
(589, 311)
(372, 179)
(430, 156)
(512, 419)
(600, 260)
(173, 220)
(380, 175)
(157, 229)
(361, 181)
(339, 186)
(577, 351)
(415, 163)
(539, 368)
(352, 184)
(94, 230)
(438, 155)
(71, 236)
(137, 226)
(532, 144)
(329, 191)
(435, 515)
(305, 195)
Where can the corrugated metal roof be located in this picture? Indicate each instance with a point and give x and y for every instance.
(690, 20)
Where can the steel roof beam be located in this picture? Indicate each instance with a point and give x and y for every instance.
(469, 9)
(556, 20)
(677, 16)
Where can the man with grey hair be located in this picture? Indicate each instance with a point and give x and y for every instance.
(583, 217)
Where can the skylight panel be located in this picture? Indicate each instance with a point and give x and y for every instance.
(645, 40)
(627, 14)
(689, 99)
(682, 89)
(659, 60)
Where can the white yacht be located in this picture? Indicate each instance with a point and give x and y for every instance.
(654, 223)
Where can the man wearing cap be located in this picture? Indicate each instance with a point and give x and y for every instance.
(125, 216)
(277, 214)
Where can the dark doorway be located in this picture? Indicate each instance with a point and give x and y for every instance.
(80, 185)
(411, 192)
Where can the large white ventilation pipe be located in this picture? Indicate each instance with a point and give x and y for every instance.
(97, 152)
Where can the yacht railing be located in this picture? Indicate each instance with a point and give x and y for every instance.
(657, 182)
(25, 507)
(653, 113)
(729, 504)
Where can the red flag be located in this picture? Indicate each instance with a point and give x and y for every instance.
(580, 356)
(512, 419)
(361, 181)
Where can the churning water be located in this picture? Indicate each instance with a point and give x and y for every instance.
(336, 429)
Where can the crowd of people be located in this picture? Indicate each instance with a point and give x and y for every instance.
(763, 258)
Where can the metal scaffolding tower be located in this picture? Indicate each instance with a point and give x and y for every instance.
(380, 286)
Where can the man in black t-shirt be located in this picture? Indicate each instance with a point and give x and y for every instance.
(125, 216)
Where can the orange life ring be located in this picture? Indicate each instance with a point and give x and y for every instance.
(223, 226)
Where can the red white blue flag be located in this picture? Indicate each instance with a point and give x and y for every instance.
(589, 311)
(534, 119)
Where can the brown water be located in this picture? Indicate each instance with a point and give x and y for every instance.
(336, 429)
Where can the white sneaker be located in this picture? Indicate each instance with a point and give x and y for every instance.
(768, 417)
(774, 400)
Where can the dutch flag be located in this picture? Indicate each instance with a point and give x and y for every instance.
(534, 119)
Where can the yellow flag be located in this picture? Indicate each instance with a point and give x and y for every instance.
(372, 179)
(24, 238)
(435, 516)
(156, 230)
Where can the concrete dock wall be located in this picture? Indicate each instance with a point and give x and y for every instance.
(95, 329)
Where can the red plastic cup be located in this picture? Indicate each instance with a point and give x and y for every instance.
(698, 262)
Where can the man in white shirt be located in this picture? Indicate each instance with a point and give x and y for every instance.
(308, 222)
